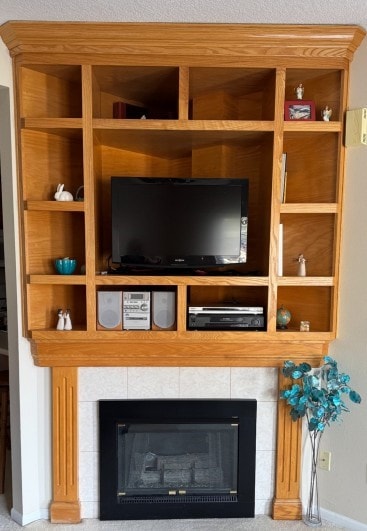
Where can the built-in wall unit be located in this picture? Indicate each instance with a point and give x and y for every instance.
(226, 218)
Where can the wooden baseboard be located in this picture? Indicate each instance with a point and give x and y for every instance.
(65, 513)
(287, 509)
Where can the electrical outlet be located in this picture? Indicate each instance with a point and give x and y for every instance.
(325, 461)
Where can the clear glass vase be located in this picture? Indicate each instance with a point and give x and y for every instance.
(312, 517)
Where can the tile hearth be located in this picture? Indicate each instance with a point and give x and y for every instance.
(167, 382)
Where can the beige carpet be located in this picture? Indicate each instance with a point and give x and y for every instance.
(259, 523)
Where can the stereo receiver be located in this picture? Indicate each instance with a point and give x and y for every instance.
(136, 310)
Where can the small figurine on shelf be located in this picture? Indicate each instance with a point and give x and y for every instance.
(60, 321)
(67, 320)
(326, 113)
(63, 320)
(283, 318)
(301, 266)
(62, 195)
(299, 90)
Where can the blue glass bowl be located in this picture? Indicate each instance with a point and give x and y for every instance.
(65, 266)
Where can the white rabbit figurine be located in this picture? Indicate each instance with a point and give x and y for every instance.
(60, 195)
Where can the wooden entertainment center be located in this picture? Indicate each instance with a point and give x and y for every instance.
(215, 95)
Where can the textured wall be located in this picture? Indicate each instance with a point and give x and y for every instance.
(247, 11)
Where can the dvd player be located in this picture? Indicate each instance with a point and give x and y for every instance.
(226, 318)
(251, 310)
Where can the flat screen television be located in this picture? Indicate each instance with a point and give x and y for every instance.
(178, 223)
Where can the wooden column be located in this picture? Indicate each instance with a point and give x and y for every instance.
(65, 506)
(287, 504)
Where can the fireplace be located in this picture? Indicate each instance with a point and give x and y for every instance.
(177, 458)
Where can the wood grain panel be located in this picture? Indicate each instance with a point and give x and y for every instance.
(49, 159)
(44, 301)
(312, 167)
(287, 504)
(65, 503)
(323, 87)
(176, 353)
(313, 236)
(308, 303)
(53, 92)
(210, 40)
(52, 235)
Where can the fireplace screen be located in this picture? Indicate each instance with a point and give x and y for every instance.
(177, 459)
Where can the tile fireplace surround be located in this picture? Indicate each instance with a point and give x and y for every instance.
(176, 382)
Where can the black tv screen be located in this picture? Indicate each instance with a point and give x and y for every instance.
(182, 223)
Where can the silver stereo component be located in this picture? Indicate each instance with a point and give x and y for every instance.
(109, 310)
(163, 310)
(136, 310)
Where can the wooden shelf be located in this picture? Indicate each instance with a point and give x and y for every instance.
(55, 125)
(184, 125)
(315, 127)
(309, 208)
(305, 281)
(121, 280)
(58, 279)
(135, 353)
(54, 206)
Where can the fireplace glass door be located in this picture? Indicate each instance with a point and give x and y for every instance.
(177, 459)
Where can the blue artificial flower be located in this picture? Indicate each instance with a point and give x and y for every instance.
(355, 397)
(329, 360)
(344, 378)
(333, 384)
(295, 389)
(336, 400)
(303, 400)
(292, 401)
(318, 395)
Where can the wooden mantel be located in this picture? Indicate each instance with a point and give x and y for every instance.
(67, 76)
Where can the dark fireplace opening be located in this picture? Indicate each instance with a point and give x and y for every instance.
(177, 459)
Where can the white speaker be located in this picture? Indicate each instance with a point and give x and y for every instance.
(163, 310)
(109, 316)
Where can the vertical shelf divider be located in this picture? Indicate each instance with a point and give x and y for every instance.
(275, 197)
(183, 93)
(89, 198)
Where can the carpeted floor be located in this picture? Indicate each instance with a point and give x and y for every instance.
(260, 523)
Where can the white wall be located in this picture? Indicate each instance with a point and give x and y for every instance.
(29, 385)
(344, 489)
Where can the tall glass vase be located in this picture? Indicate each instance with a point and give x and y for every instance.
(312, 517)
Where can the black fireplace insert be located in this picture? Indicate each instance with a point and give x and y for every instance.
(177, 459)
